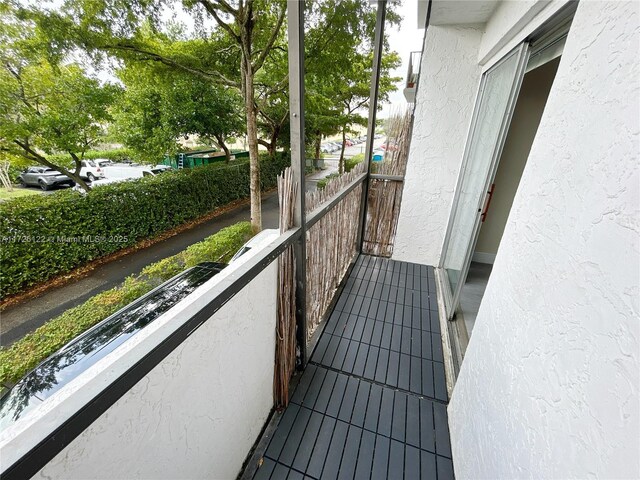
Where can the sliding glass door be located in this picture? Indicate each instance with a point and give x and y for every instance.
(493, 110)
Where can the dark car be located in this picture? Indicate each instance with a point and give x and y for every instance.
(94, 344)
(45, 178)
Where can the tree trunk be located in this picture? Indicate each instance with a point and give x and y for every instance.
(317, 145)
(223, 146)
(341, 161)
(252, 139)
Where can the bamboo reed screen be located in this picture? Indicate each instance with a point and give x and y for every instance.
(331, 245)
(286, 323)
(383, 201)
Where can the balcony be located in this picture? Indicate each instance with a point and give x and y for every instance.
(372, 401)
(413, 73)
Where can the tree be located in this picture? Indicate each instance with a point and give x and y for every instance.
(161, 105)
(232, 55)
(45, 110)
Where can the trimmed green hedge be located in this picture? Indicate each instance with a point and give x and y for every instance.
(350, 163)
(29, 351)
(46, 235)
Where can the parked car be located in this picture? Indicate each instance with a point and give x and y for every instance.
(391, 147)
(91, 170)
(121, 171)
(348, 143)
(45, 178)
(91, 346)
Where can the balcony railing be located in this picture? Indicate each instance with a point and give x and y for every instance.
(413, 73)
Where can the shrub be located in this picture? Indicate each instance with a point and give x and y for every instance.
(27, 353)
(46, 235)
(323, 181)
(350, 163)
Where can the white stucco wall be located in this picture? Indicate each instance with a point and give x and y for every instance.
(549, 387)
(196, 414)
(449, 79)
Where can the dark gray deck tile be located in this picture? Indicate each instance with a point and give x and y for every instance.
(373, 408)
(293, 475)
(427, 428)
(358, 328)
(341, 353)
(349, 400)
(264, 471)
(280, 435)
(392, 369)
(280, 472)
(426, 346)
(399, 416)
(435, 321)
(321, 348)
(407, 311)
(380, 459)
(360, 407)
(405, 343)
(327, 358)
(404, 372)
(365, 456)
(411, 463)
(415, 382)
(442, 430)
(350, 455)
(413, 420)
(314, 389)
(350, 358)
(396, 339)
(367, 330)
(381, 367)
(385, 340)
(290, 448)
(336, 448)
(336, 396)
(325, 392)
(361, 359)
(385, 416)
(427, 379)
(436, 347)
(439, 381)
(396, 460)
(372, 360)
(445, 468)
(319, 453)
(416, 342)
(303, 385)
(312, 430)
(428, 466)
(376, 336)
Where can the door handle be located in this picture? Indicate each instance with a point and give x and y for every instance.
(483, 216)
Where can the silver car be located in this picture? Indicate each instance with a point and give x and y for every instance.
(45, 178)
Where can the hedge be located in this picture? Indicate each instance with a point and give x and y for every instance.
(47, 235)
(28, 352)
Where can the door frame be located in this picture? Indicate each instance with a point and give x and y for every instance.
(452, 298)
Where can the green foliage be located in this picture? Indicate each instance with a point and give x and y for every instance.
(350, 163)
(160, 106)
(46, 235)
(28, 352)
(323, 181)
(46, 107)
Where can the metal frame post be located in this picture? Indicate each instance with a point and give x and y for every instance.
(295, 33)
(373, 108)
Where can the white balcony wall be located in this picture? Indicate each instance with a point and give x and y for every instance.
(197, 413)
(549, 387)
(449, 81)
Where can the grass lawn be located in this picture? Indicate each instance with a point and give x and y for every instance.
(17, 192)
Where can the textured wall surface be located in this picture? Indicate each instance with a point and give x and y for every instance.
(549, 387)
(196, 414)
(449, 81)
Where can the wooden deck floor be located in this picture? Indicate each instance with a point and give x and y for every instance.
(372, 401)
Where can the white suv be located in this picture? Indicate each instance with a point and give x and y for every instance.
(90, 170)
